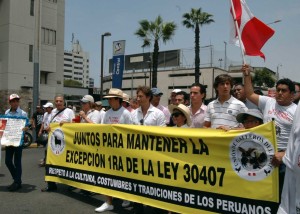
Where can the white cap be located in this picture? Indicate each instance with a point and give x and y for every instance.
(13, 96)
(87, 98)
(48, 105)
(176, 90)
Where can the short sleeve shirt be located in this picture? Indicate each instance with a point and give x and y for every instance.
(66, 115)
(121, 116)
(283, 116)
(224, 114)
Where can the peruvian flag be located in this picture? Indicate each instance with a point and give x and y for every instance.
(254, 33)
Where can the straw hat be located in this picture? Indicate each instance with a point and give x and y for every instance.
(126, 98)
(114, 92)
(185, 110)
(252, 112)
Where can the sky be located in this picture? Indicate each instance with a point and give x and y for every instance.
(89, 19)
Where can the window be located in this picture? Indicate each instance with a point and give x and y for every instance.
(48, 36)
(32, 8)
(30, 53)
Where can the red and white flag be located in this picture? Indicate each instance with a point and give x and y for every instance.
(254, 33)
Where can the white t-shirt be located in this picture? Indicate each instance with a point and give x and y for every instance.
(121, 116)
(66, 115)
(290, 197)
(93, 115)
(46, 119)
(100, 115)
(283, 116)
(154, 117)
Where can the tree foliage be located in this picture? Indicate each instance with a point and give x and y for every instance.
(264, 78)
(72, 83)
(194, 19)
(153, 31)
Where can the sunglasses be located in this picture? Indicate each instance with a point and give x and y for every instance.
(176, 114)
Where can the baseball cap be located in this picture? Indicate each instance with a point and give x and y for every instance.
(47, 105)
(176, 90)
(98, 103)
(156, 91)
(13, 96)
(87, 98)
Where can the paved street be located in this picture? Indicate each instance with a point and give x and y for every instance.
(31, 200)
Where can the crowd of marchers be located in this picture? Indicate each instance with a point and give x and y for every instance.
(236, 106)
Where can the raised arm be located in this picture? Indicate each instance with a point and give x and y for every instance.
(248, 85)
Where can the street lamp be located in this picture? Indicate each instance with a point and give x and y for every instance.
(277, 71)
(225, 58)
(102, 58)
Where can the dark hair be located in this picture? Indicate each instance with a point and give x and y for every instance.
(223, 78)
(287, 82)
(185, 95)
(239, 84)
(297, 83)
(258, 91)
(202, 87)
(146, 90)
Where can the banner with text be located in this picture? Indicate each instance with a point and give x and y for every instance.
(11, 133)
(181, 170)
(118, 63)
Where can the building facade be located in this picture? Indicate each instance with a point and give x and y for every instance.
(31, 39)
(76, 65)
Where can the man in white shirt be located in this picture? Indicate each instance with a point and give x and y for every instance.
(60, 115)
(197, 107)
(117, 114)
(290, 197)
(281, 109)
(45, 128)
(99, 109)
(147, 114)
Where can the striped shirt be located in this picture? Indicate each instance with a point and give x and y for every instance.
(224, 114)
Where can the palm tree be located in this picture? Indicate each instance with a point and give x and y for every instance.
(194, 20)
(154, 31)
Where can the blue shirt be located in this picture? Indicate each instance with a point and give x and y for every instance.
(18, 113)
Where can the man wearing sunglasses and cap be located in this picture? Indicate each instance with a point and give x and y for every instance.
(12, 152)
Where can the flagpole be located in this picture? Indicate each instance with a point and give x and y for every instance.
(238, 32)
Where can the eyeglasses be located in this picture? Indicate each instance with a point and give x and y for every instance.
(176, 114)
(142, 121)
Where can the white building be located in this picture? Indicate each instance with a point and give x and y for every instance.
(76, 65)
(31, 34)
